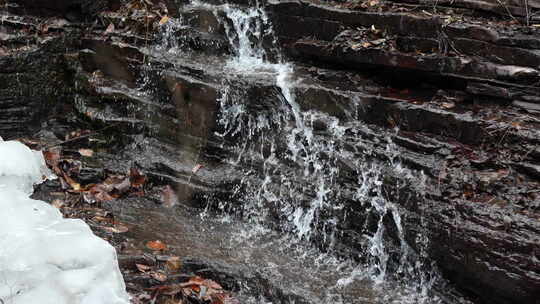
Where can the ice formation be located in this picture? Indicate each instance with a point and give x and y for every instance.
(45, 258)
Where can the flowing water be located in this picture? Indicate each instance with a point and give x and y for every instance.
(301, 169)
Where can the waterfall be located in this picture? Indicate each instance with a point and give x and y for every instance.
(294, 160)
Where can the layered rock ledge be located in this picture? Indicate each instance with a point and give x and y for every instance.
(460, 79)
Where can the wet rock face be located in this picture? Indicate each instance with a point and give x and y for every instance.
(32, 87)
(73, 10)
(465, 94)
(483, 242)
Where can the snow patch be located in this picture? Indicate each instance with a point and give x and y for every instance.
(45, 258)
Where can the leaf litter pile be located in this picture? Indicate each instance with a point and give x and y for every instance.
(154, 276)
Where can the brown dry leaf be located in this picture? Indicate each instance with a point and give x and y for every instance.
(159, 276)
(174, 263)
(74, 185)
(223, 298)
(356, 46)
(123, 186)
(196, 282)
(58, 203)
(195, 288)
(109, 29)
(448, 105)
(86, 152)
(156, 245)
(196, 168)
(164, 20)
(113, 187)
(98, 193)
(207, 290)
(516, 124)
(55, 23)
(468, 192)
(136, 178)
(169, 197)
(377, 42)
(52, 158)
(90, 113)
(118, 228)
(102, 219)
(143, 268)
(142, 298)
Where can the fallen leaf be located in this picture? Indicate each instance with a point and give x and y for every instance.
(516, 124)
(52, 158)
(366, 44)
(115, 185)
(156, 245)
(58, 203)
(86, 152)
(174, 263)
(109, 29)
(119, 228)
(169, 197)
(197, 289)
(98, 193)
(141, 298)
(223, 298)
(103, 219)
(136, 178)
(159, 276)
(74, 185)
(356, 46)
(143, 268)
(448, 105)
(199, 281)
(54, 24)
(196, 168)
(378, 41)
(164, 20)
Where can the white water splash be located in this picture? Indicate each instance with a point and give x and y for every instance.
(301, 166)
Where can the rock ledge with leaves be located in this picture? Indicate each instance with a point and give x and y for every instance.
(44, 257)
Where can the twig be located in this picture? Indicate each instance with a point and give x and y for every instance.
(527, 17)
(79, 137)
(435, 6)
(508, 10)
(528, 152)
(445, 42)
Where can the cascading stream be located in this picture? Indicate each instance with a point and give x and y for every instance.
(294, 167)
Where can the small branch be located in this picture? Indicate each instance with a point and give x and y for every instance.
(508, 10)
(527, 13)
(79, 137)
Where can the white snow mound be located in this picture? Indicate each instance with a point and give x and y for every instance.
(45, 258)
